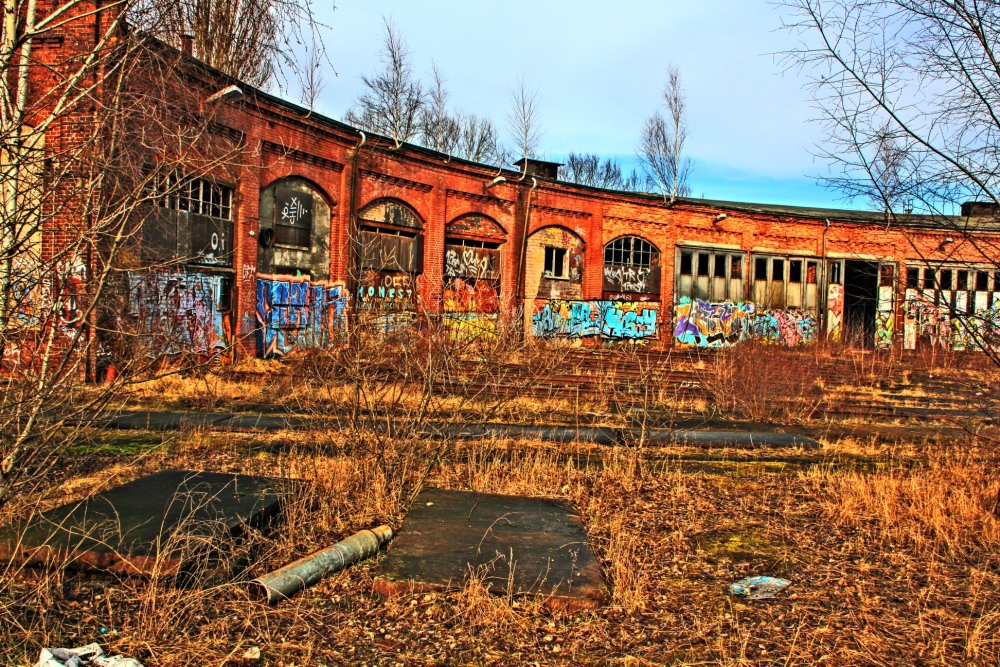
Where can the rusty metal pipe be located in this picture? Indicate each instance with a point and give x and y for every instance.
(285, 582)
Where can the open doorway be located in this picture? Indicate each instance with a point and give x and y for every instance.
(860, 301)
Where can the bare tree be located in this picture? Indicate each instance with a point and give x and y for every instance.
(73, 210)
(909, 94)
(478, 140)
(251, 40)
(523, 122)
(913, 85)
(439, 130)
(589, 169)
(393, 97)
(310, 79)
(661, 149)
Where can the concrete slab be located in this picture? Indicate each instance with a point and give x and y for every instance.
(256, 422)
(519, 545)
(147, 526)
(164, 421)
(740, 439)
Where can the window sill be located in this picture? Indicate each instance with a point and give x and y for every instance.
(288, 246)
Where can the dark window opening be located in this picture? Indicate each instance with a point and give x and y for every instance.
(555, 263)
(963, 280)
(760, 269)
(702, 264)
(795, 271)
(736, 267)
(887, 272)
(720, 266)
(293, 217)
(912, 278)
(686, 263)
(946, 280)
(778, 269)
(982, 281)
(928, 278)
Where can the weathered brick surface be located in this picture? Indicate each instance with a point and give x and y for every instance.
(350, 171)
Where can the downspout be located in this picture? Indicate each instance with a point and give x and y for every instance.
(524, 241)
(824, 295)
(354, 238)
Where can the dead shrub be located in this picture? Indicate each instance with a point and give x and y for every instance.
(765, 382)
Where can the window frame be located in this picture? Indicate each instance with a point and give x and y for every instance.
(563, 254)
(689, 262)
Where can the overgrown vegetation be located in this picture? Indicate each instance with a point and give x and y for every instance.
(891, 547)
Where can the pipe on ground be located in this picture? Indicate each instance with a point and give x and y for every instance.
(285, 582)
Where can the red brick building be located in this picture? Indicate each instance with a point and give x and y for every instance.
(318, 223)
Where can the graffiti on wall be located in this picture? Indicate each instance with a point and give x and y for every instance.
(884, 325)
(467, 327)
(72, 276)
(180, 311)
(471, 262)
(835, 311)
(700, 323)
(935, 325)
(296, 313)
(625, 320)
(632, 279)
(470, 296)
(387, 291)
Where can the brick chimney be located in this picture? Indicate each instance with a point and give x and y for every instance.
(187, 45)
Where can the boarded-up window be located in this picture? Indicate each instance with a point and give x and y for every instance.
(390, 213)
(382, 250)
(293, 217)
(471, 260)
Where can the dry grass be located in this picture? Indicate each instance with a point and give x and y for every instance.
(893, 566)
(893, 549)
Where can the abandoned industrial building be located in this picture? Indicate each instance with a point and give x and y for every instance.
(311, 223)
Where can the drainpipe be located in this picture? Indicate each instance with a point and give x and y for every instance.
(354, 238)
(824, 295)
(524, 241)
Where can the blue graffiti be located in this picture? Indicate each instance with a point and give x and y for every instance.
(608, 319)
(297, 314)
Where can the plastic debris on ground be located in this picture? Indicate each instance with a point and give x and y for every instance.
(91, 655)
(758, 588)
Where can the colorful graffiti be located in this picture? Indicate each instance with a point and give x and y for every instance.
(934, 324)
(835, 311)
(579, 319)
(884, 326)
(462, 295)
(467, 327)
(387, 291)
(699, 323)
(295, 313)
(180, 312)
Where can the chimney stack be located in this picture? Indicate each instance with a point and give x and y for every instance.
(187, 45)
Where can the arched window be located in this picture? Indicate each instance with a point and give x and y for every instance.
(391, 238)
(472, 263)
(631, 265)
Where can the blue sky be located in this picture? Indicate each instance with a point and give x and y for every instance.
(599, 70)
